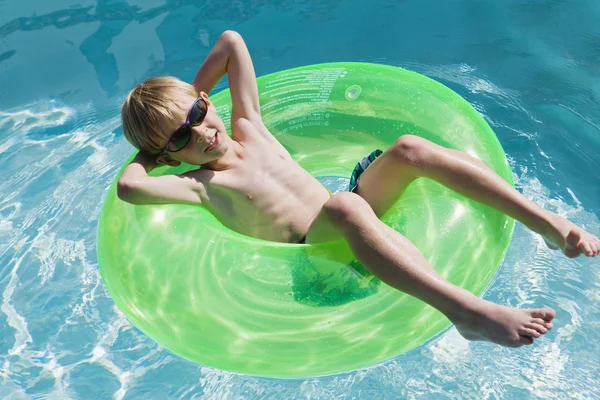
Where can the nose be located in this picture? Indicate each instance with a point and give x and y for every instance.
(201, 133)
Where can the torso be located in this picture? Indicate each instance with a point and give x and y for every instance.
(266, 195)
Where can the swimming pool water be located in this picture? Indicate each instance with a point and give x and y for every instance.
(530, 67)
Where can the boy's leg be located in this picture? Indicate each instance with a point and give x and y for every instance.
(397, 262)
(412, 157)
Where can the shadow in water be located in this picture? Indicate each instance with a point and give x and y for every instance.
(94, 47)
(311, 286)
(184, 16)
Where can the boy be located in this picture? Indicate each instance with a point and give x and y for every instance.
(250, 177)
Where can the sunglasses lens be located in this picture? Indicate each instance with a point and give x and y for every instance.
(197, 112)
(182, 136)
(180, 139)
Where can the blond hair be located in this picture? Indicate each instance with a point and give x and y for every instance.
(151, 109)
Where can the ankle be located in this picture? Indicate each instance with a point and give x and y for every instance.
(463, 308)
(543, 223)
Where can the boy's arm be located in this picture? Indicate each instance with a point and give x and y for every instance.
(136, 187)
(230, 55)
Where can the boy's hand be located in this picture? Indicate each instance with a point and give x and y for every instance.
(150, 161)
(230, 55)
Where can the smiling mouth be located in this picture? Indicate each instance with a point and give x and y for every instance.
(214, 142)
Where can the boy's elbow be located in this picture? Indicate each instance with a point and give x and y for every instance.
(232, 37)
(126, 190)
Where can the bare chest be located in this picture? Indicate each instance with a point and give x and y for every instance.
(269, 197)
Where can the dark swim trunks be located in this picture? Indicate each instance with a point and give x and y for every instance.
(361, 167)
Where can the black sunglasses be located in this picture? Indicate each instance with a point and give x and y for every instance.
(181, 137)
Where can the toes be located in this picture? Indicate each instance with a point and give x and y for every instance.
(580, 242)
(595, 248)
(540, 321)
(547, 314)
(538, 328)
(586, 248)
(529, 332)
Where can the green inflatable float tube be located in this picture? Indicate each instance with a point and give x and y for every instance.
(254, 307)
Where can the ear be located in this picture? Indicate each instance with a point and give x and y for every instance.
(165, 159)
(205, 97)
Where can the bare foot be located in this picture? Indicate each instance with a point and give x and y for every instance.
(503, 325)
(570, 238)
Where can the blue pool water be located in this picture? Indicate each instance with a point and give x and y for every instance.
(532, 68)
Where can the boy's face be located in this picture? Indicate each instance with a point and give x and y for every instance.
(208, 141)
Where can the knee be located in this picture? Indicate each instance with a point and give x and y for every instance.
(345, 207)
(411, 149)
